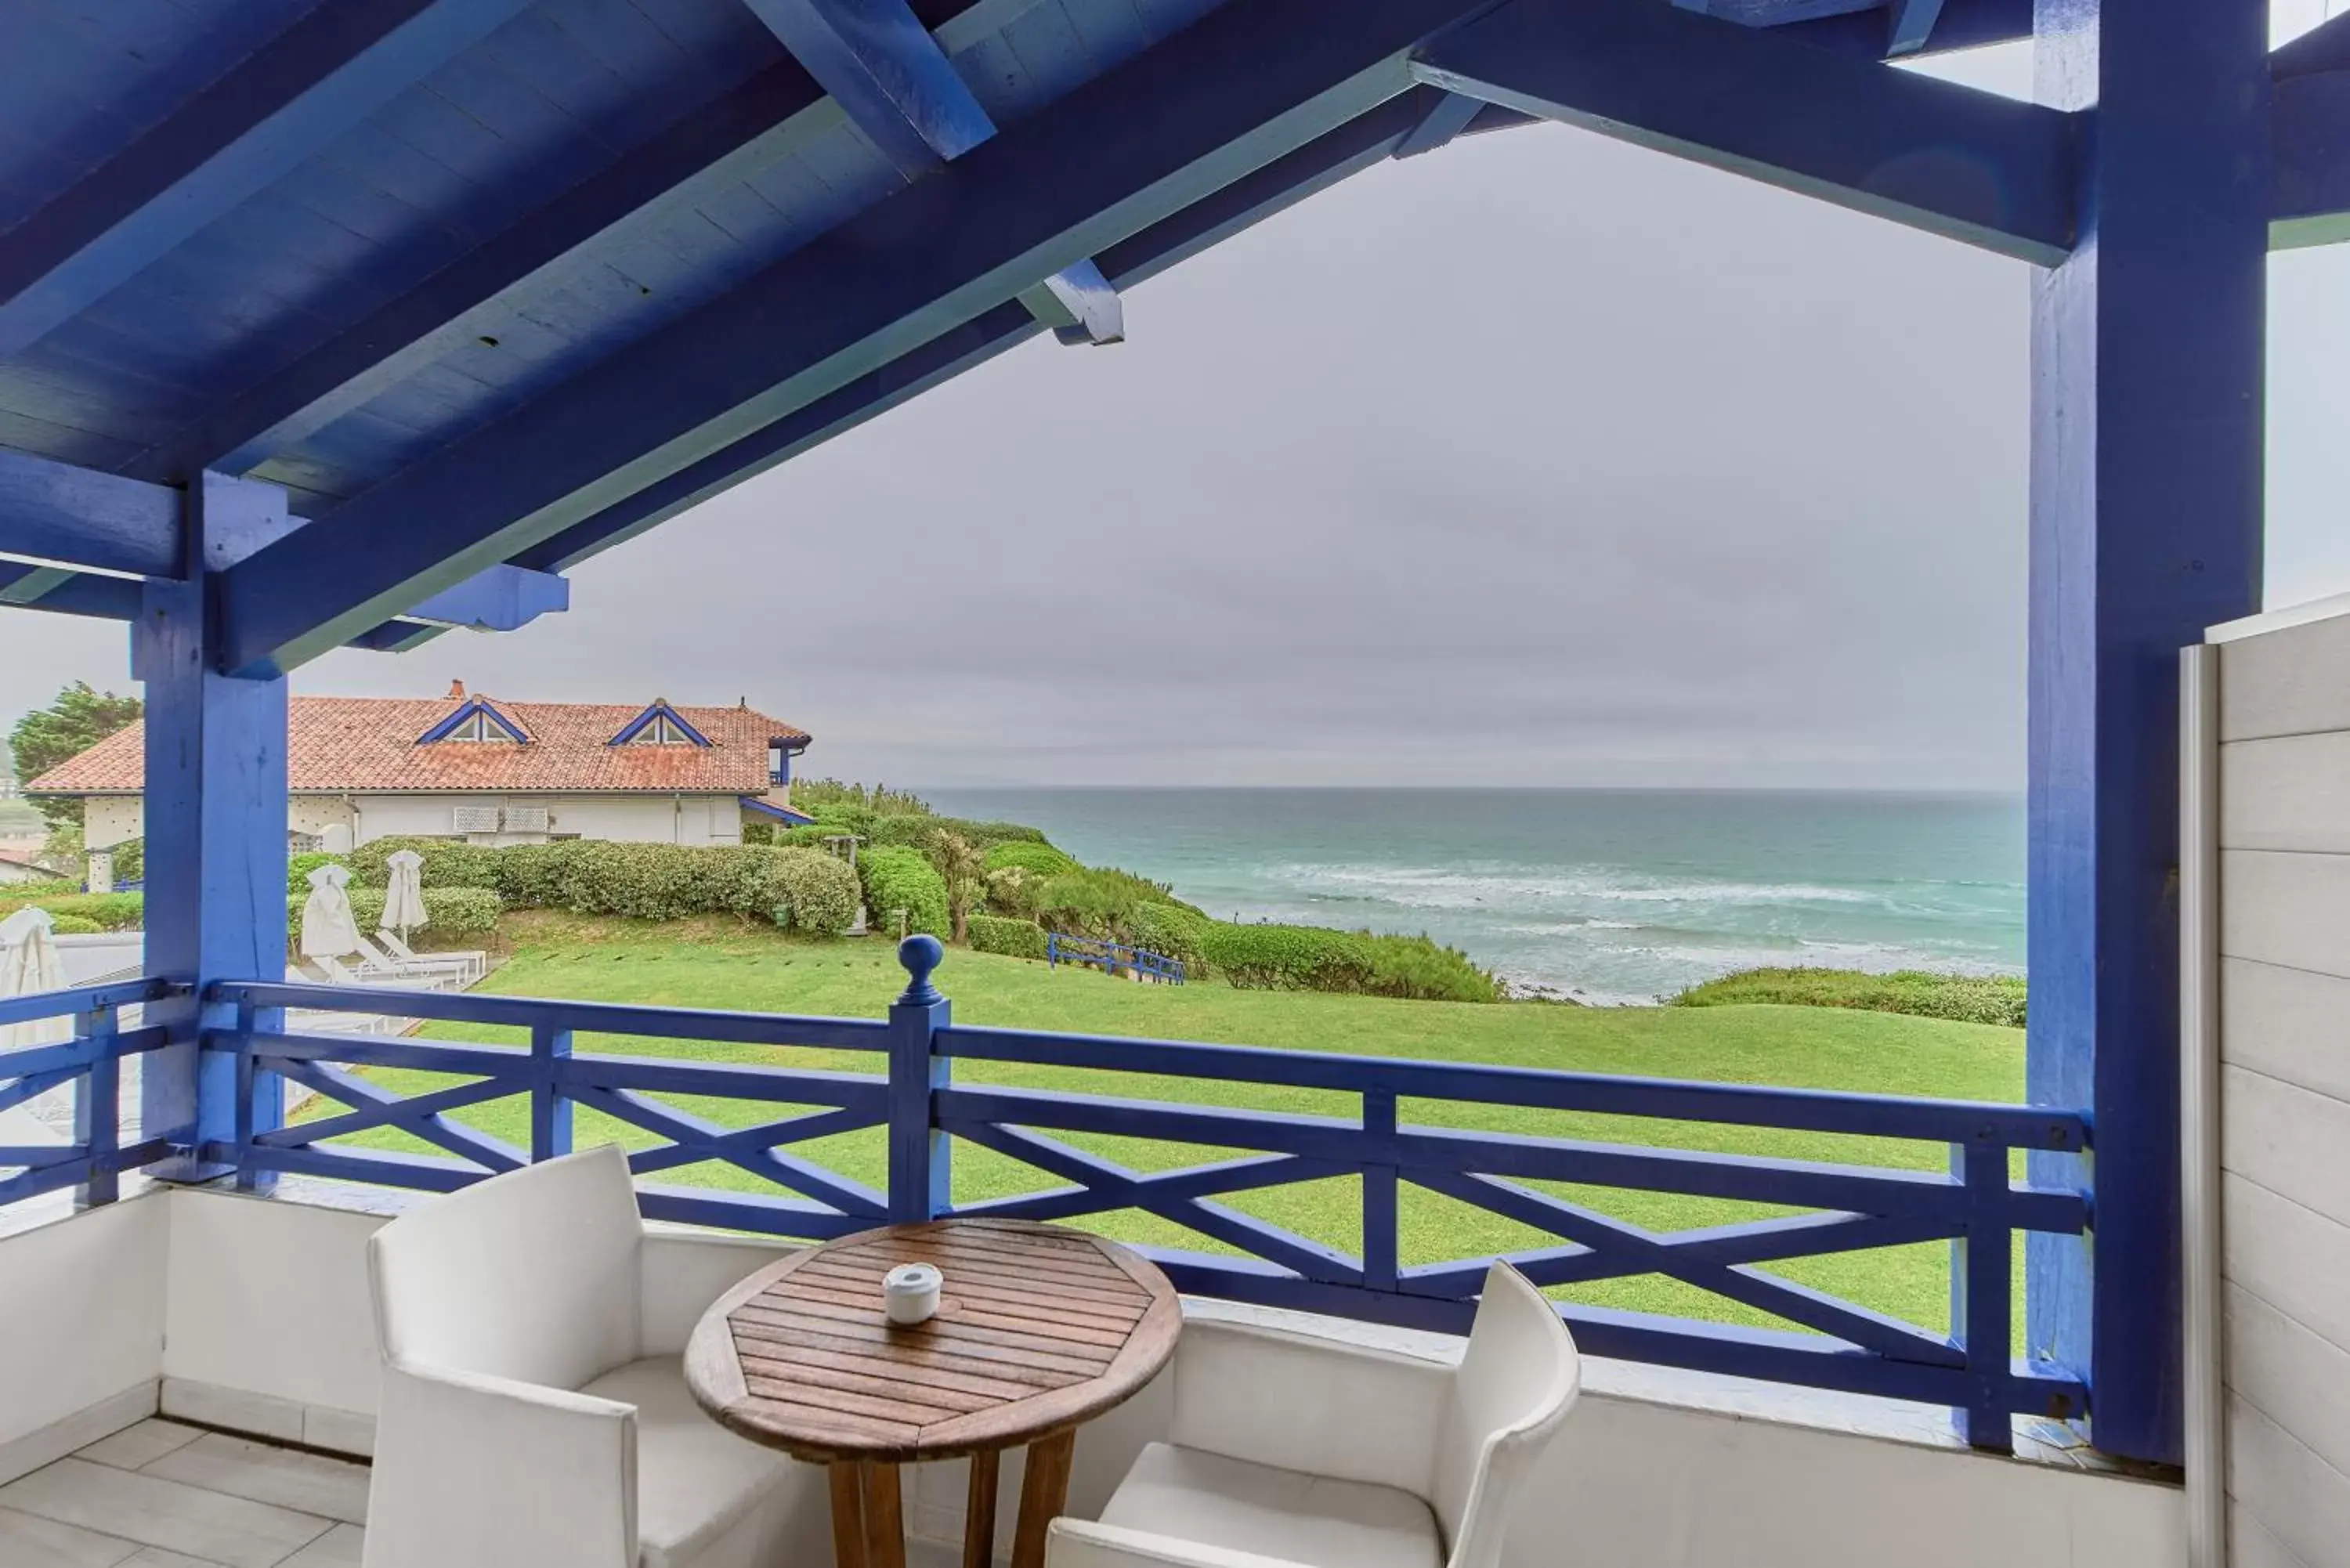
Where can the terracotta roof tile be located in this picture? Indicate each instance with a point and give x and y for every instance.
(368, 744)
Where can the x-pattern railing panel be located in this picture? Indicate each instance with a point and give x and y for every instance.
(1395, 1158)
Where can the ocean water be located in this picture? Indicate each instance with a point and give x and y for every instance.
(1604, 895)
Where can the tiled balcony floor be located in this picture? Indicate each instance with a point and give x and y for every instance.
(164, 1495)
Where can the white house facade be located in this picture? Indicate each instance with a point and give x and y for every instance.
(487, 771)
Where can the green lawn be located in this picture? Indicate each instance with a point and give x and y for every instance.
(718, 965)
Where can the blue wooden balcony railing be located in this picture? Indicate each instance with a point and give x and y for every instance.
(1976, 1205)
(1109, 956)
(90, 1063)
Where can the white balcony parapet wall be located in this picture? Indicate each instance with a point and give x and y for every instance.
(2280, 958)
(251, 1312)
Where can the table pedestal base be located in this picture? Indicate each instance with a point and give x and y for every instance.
(869, 1522)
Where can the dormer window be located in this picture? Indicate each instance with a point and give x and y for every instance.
(476, 720)
(479, 726)
(659, 725)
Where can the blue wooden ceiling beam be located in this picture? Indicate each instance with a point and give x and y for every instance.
(890, 76)
(2324, 47)
(1287, 180)
(404, 335)
(1250, 82)
(274, 110)
(497, 599)
(1946, 159)
(78, 517)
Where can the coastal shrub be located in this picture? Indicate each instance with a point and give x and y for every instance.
(1176, 932)
(73, 925)
(758, 833)
(448, 862)
(530, 875)
(104, 911)
(917, 832)
(1962, 998)
(300, 867)
(1311, 958)
(843, 818)
(880, 800)
(1030, 855)
(18, 893)
(451, 914)
(1018, 939)
(897, 877)
(1012, 892)
(810, 891)
(1097, 901)
(814, 836)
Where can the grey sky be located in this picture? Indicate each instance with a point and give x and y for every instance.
(1540, 459)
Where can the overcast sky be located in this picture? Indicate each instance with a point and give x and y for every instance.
(1540, 459)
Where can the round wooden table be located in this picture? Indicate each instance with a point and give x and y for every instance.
(1038, 1330)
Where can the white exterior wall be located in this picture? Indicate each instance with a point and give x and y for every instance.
(81, 1329)
(624, 818)
(268, 1330)
(2284, 980)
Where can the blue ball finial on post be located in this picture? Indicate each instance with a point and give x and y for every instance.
(921, 955)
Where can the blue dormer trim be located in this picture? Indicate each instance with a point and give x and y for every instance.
(629, 731)
(467, 710)
(783, 813)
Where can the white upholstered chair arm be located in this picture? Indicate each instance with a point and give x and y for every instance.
(1081, 1544)
(680, 1275)
(494, 1473)
(1305, 1401)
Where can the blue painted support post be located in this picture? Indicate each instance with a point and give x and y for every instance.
(258, 1103)
(215, 828)
(921, 1170)
(98, 1105)
(550, 1108)
(1379, 1192)
(1982, 1295)
(2146, 384)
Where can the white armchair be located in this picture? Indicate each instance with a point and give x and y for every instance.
(1291, 1451)
(534, 1414)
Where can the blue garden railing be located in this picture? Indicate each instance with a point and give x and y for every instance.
(1109, 956)
(90, 1063)
(1360, 1132)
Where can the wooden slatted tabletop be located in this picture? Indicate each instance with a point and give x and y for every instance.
(1039, 1328)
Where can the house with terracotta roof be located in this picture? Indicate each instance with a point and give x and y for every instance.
(487, 771)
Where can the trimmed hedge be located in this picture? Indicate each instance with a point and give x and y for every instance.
(452, 913)
(1015, 939)
(74, 926)
(816, 890)
(1032, 855)
(897, 877)
(47, 888)
(448, 862)
(104, 911)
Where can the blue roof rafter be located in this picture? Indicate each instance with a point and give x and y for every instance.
(1284, 181)
(1115, 155)
(1913, 25)
(405, 334)
(890, 77)
(2324, 47)
(298, 91)
(1948, 159)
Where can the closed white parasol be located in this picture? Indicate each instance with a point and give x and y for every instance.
(29, 964)
(327, 928)
(403, 896)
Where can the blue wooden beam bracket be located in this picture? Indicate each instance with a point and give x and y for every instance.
(81, 517)
(1946, 159)
(1449, 119)
(2309, 188)
(278, 107)
(890, 76)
